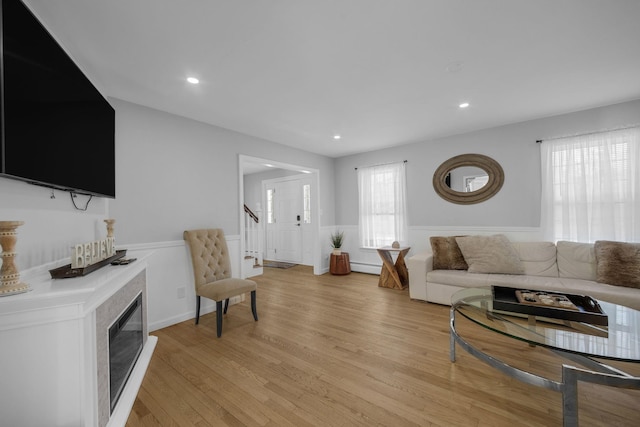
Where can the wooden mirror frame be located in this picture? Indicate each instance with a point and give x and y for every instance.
(493, 169)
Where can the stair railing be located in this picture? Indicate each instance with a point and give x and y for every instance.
(253, 235)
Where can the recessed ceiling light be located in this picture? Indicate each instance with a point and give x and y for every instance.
(336, 137)
(304, 171)
(464, 105)
(193, 80)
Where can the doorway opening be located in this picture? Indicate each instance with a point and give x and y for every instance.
(286, 197)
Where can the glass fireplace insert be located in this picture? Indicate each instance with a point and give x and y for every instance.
(125, 345)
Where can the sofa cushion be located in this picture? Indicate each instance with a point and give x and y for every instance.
(464, 279)
(576, 260)
(629, 297)
(618, 263)
(446, 254)
(490, 254)
(538, 258)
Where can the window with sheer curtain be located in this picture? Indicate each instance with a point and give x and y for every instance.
(591, 186)
(383, 206)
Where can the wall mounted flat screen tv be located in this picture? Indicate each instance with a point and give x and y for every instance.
(57, 128)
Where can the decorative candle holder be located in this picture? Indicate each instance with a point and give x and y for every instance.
(110, 223)
(9, 276)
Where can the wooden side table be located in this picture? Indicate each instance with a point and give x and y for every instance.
(340, 264)
(393, 276)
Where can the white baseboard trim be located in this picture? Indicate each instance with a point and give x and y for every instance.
(189, 315)
(366, 268)
(177, 319)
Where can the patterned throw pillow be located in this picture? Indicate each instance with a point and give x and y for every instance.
(446, 254)
(618, 263)
(490, 254)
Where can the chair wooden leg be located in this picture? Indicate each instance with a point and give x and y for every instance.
(253, 305)
(197, 309)
(226, 305)
(219, 317)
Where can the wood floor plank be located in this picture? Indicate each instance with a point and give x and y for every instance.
(341, 351)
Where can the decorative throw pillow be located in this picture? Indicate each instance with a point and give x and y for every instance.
(490, 254)
(446, 254)
(618, 263)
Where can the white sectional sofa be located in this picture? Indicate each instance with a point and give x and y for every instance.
(566, 267)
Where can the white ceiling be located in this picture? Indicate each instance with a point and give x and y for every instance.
(379, 72)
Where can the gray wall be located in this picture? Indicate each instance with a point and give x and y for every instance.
(51, 225)
(175, 173)
(513, 146)
(172, 174)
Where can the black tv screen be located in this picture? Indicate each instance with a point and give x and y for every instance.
(57, 128)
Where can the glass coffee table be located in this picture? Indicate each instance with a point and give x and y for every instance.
(578, 342)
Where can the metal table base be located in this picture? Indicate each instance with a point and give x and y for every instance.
(600, 373)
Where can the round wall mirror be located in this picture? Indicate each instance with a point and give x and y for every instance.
(468, 179)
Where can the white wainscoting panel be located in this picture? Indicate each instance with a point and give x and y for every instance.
(367, 260)
(170, 291)
(170, 274)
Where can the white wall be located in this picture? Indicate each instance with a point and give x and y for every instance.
(514, 210)
(175, 174)
(51, 226)
(172, 174)
(513, 146)
(170, 273)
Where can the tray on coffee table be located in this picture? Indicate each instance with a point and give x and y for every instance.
(556, 305)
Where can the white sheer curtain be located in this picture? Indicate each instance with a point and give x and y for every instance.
(591, 187)
(383, 207)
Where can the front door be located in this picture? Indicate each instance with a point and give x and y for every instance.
(288, 224)
(288, 215)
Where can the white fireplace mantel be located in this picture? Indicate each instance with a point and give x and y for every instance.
(48, 356)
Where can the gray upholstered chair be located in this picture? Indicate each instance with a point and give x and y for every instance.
(212, 272)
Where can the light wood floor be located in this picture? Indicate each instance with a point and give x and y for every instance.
(340, 351)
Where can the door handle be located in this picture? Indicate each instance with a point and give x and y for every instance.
(298, 224)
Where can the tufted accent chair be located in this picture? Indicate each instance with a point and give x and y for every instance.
(212, 272)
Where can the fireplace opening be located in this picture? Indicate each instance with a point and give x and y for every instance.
(125, 345)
